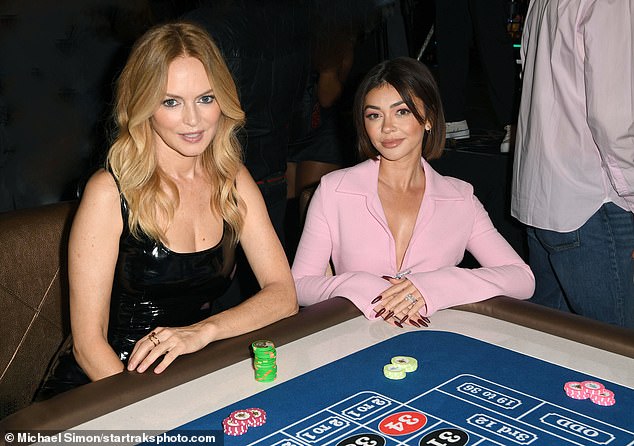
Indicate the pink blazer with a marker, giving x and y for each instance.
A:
(345, 221)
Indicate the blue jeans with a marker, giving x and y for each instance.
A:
(589, 271)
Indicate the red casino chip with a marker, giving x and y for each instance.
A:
(234, 427)
(604, 397)
(576, 390)
(241, 416)
(258, 417)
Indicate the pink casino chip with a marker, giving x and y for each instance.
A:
(592, 387)
(604, 397)
(575, 390)
(234, 427)
(258, 417)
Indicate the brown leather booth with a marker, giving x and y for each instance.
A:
(33, 298)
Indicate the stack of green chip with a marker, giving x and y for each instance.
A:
(264, 361)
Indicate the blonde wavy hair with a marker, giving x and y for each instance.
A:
(132, 159)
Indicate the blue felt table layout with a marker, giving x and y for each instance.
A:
(465, 392)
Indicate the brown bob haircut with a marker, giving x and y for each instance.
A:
(411, 79)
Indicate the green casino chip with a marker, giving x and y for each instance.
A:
(394, 371)
(408, 363)
(263, 345)
(264, 360)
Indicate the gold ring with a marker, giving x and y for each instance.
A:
(155, 340)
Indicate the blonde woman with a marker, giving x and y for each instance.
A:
(152, 244)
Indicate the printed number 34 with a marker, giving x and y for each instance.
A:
(403, 419)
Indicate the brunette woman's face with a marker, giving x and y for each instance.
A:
(391, 126)
(187, 119)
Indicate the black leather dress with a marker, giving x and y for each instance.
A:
(153, 287)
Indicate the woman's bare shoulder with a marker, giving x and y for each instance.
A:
(101, 183)
(101, 192)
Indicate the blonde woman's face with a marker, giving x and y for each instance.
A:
(187, 119)
(391, 126)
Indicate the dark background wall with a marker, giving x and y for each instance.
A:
(57, 65)
(58, 62)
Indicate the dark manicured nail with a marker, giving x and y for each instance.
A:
(376, 299)
(420, 321)
(426, 320)
(380, 312)
(389, 315)
(386, 277)
(398, 324)
(404, 319)
(413, 322)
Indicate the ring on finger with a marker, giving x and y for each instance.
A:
(155, 340)
(411, 299)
